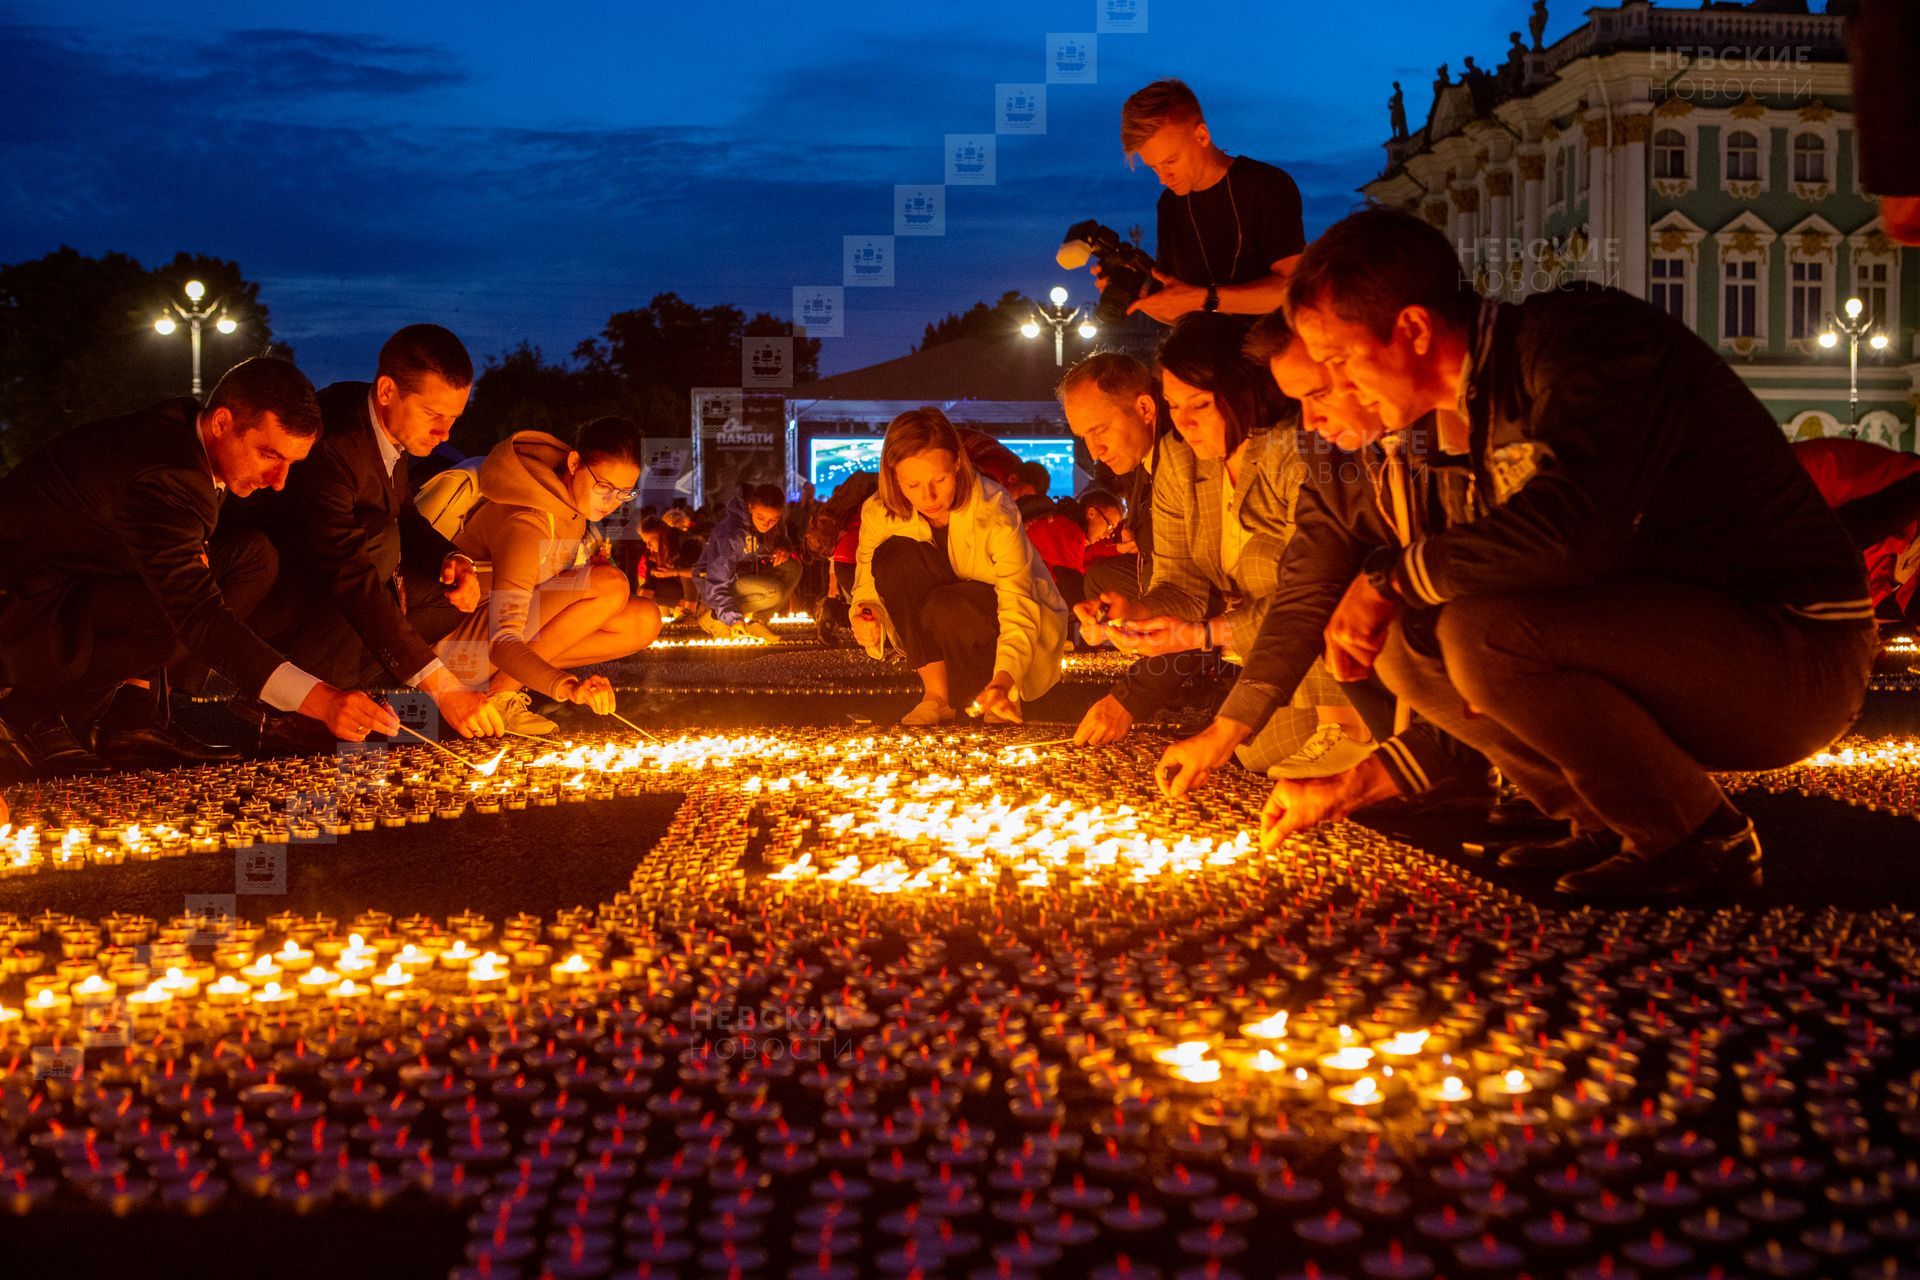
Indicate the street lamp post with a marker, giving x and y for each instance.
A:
(1059, 317)
(195, 315)
(1855, 326)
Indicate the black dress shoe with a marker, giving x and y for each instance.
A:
(1569, 853)
(1702, 864)
(1517, 813)
(52, 750)
(282, 733)
(157, 747)
(135, 734)
(14, 757)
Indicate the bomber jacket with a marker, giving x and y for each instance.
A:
(1609, 441)
(1340, 520)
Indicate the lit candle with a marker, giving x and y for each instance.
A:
(228, 990)
(1509, 1085)
(1450, 1092)
(293, 957)
(575, 968)
(1188, 1061)
(393, 978)
(1346, 1065)
(271, 996)
(1272, 1028)
(1364, 1093)
(261, 971)
(318, 978)
(95, 991)
(488, 973)
(1403, 1047)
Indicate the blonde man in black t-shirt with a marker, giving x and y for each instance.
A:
(1229, 227)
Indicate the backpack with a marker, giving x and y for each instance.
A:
(448, 498)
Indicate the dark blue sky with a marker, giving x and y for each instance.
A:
(523, 170)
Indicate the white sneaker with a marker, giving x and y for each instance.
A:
(926, 712)
(1327, 752)
(714, 627)
(516, 710)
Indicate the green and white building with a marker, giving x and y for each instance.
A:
(1703, 159)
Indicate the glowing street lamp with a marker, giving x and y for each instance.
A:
(195, 315)
(1059, 317)
(1855, 326)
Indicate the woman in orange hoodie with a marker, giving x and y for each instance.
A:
(553, 601)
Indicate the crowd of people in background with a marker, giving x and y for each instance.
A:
(1397, 540)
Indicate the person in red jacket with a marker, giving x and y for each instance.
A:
(1062, 544)
(1876, 493)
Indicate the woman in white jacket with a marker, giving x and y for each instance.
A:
(945, 571)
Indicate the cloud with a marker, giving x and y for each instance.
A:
(325, 164)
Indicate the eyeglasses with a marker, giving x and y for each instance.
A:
(599, 485)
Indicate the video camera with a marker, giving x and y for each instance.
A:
(1129, 268)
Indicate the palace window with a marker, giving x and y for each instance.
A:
(1669, 286)
(1740, 313)
(1873, 285)
(1807, 305)
(1810, 158)
(1670, 155)
(1743, 157)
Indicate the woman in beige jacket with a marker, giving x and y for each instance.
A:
(945, 571)
(552, 603)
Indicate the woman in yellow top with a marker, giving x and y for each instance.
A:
(553, 603)
(945, 571)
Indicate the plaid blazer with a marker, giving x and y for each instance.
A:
(1187, 512)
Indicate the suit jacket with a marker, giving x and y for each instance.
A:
(346, 525)
(125, 498)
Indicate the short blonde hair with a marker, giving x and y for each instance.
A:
(1151, 109)
(913, 433)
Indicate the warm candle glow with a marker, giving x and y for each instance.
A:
(1273, 1028)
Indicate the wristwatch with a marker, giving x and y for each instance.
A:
(1378, 567)
(1213, 298)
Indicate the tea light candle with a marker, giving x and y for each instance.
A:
(228, 990)
(94, 991)
(1505, 1087)
(1450, 1092)
(1188, 1061)
(1363, 1094)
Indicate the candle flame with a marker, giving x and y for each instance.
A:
(1274, 1028)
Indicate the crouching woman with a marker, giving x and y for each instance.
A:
(553, 604)
(945, 572)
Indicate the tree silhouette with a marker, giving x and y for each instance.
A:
(980, 320)
(77, 340)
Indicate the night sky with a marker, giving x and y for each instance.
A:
(521, 171)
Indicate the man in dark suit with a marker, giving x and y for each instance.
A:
(367, 587)
(107, 574)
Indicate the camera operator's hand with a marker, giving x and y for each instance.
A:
(1173, 299)
(1099, 275)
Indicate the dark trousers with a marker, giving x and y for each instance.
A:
(303, 620)
(1070, 583)
(98, 632)
(936, 616)
(1607, 705)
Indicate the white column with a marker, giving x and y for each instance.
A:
(1533, 200)
(1600, 222)
(1631, 204)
